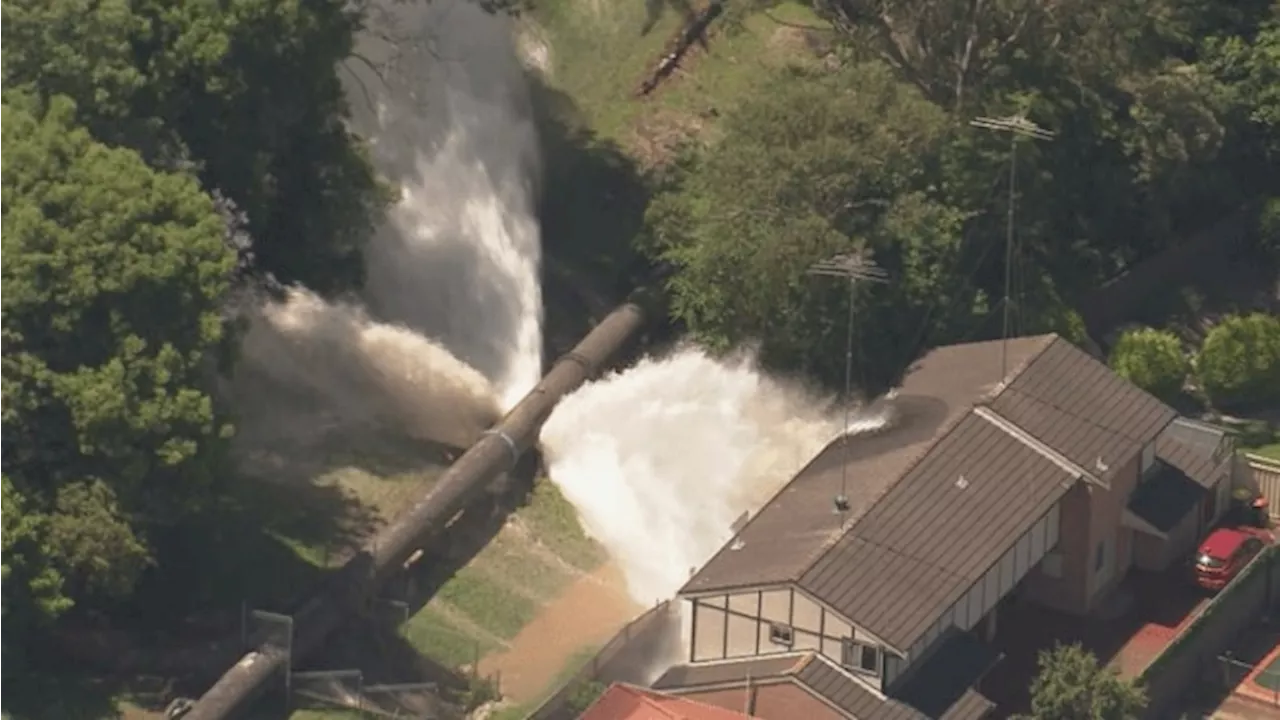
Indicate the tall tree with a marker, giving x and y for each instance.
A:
(112, 283)
(813, 164)
(246, 90)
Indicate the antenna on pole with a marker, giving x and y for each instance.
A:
(1017, 126)
(852, 267)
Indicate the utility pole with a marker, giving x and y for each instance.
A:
(1017, 126)
(852, 267)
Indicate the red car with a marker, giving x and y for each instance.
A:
(1225, 552)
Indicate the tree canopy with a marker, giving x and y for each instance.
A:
(742, 222)
(1071, 685)
(244, 92)
(113, 276)
(1162, 119)
(1239, 363)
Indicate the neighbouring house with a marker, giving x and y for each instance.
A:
(866, 587)
(628, 702)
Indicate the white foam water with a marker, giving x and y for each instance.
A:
(661, 459)
(487, 308)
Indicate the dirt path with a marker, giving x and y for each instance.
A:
(587, 614)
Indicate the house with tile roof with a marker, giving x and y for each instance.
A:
(628, 702)
(1020, 469)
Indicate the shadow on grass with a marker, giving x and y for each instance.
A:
(592, 208)
(373, 645)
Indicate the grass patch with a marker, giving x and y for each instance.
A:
(511, 562)
(497, 609)
(1270, 451)
(555, 522)
(434, 635)
(622, 53)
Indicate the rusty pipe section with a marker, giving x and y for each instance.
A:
(357, 581)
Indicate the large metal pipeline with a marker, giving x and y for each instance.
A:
(359, 578)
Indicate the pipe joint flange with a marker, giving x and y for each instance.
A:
(581, 360)
(511, 444)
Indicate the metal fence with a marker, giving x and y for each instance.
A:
(345, 690)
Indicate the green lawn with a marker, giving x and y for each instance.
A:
(600, 53)
(1271, 451)
(554, 522)
(490, 600)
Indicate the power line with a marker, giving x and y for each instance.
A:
(1017, 126)
(851, 267)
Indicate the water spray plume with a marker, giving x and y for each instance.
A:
(452, 331)
(661, 459)
(368, 371)
(459, 256)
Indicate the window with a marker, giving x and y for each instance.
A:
(862, 657)
(781, 635)
(1148, 457)
(870, 659)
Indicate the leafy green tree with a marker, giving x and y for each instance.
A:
(245, 91)
(1239, 363)
(113, 278)
(32, 587)
(1072, 686)
(810, 165)
(1151, 359)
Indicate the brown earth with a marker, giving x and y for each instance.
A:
(586, 615)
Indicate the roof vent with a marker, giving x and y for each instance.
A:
(1100, 466)
(737, 544)
(841, 504)
(962, 483)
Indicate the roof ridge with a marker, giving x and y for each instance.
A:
(994, 394)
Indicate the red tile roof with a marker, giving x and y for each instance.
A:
(627, 702)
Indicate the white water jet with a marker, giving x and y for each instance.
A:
(452, 331)
(458, 258)
(662, 458)
(367, 371)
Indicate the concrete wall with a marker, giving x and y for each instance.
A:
(1193, 655)
(770, 622)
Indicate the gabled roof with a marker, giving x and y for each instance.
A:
(917, 536)
(937, 531)
(1076, 405)
(822, 678)
(797, 525)
(627, 702)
